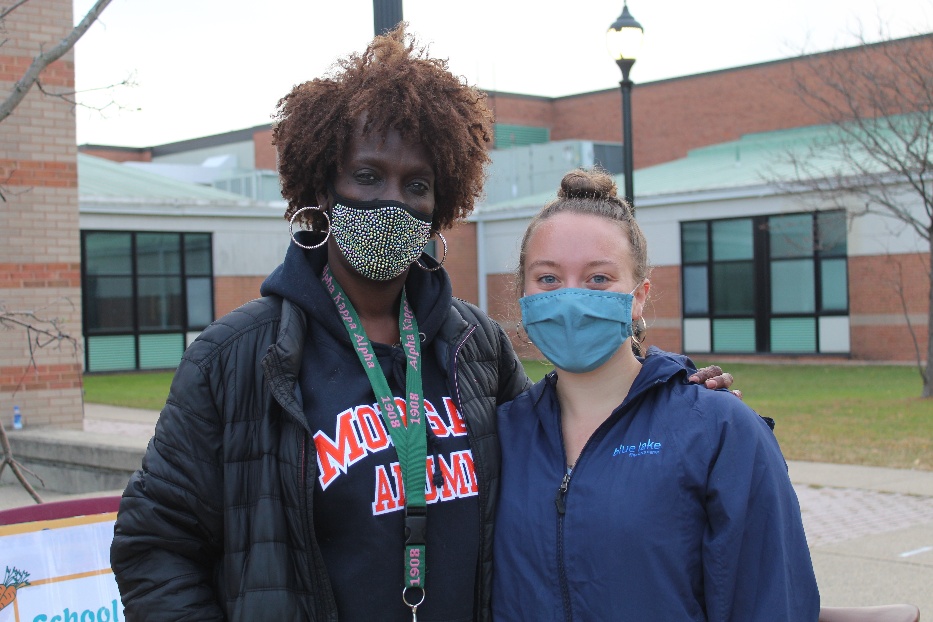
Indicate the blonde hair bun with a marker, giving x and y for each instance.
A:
(582, 184)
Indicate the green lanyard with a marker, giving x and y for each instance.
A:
(410, 440)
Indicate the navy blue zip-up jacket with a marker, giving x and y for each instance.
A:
(678, 508)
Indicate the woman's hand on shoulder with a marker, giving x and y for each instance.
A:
(713, 377)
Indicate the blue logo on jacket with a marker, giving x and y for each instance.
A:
(646, 448)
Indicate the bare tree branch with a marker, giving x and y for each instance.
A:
(69, 96)
(15, 6)
(43, 60)
(5, 191)
(41, 332)
(878, 101)
(902, 297)
(16, 467)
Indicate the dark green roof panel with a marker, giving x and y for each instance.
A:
(508, 135)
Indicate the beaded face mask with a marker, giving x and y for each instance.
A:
(380, 239)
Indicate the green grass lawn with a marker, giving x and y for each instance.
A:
(849, 414)
(846, 414)
(136, 390)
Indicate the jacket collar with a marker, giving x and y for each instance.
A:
(548, 384)
(657, 367)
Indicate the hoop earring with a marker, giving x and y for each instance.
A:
(443, 259)
(640, 330)
(291, 231)
(519, 329)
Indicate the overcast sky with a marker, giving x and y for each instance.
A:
(205, 67)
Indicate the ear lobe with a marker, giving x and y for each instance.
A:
(322, 200)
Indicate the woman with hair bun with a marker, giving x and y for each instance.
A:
(628, 493)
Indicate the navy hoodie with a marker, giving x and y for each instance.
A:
(358, 499)
(678, 508)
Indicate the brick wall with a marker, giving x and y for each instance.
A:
(662, 313)
(593, 116)
(39, 242)
(461, 260)
(231, 292)
(263, 150)
(670, 117)
(118, 154)
(880, 288)
(522, 109)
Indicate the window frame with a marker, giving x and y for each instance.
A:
(763, 315)
(135, 330)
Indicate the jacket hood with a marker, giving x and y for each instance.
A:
(298, 279)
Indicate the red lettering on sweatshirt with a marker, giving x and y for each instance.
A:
(334, 457)
(390, 496)
(374, 434)
(361, 430)
(459, 476)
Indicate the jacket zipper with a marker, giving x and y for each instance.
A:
(453, 366)
(307, 472)
(561, 491)
(560, 502)
(561, 569)
(477, 601)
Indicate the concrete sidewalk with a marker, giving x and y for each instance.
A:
(870, 532)
(870, 529)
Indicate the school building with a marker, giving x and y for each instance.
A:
(136, 250)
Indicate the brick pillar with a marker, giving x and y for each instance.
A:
(461, 260)
(39, 238)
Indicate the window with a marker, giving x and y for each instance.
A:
(143, 292)
(766, 284)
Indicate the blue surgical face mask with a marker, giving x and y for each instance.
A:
(578, 329)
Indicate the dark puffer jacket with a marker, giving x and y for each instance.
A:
(217, 525)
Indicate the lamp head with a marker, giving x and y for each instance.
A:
(623, 39)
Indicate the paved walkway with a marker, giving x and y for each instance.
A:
(870, 529)
(870, 532)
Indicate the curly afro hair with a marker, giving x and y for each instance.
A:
(393, 85)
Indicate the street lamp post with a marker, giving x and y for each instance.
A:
(623, 39)
(386, 15)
